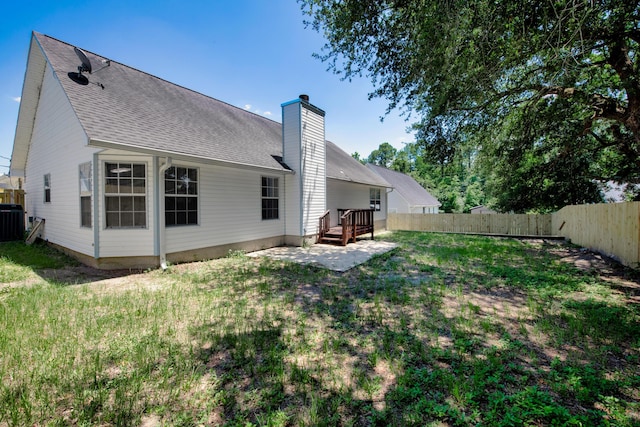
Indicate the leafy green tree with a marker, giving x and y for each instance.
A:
(457, 184)
(356, 156)
(383, 155)
(548, 92)
(401, 162)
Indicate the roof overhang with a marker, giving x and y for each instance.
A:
(176, 155)
(30, 97)
(370, 184)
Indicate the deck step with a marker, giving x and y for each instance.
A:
(331, 239)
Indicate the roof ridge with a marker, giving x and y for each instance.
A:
(159, 78)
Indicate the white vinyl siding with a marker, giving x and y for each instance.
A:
(398, 204)
(348, 195)
(291, 128)
(58, 146)
(229, 211)
(305, 153)
(314, 179)
(126, 242)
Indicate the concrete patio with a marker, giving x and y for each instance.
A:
(332, 257)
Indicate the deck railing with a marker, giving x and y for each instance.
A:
(351, 223)
(356, 222)
(324, 225)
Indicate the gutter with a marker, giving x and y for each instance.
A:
(162, 232)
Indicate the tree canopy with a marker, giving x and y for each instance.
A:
(383, 155)
(545, 93)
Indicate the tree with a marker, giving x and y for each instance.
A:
(383, 155)
(401, 162)
(532, 85)
(456, 184)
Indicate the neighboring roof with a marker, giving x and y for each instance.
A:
(408, 187)
(342, 166)
(125, 108)
(481, 209)
(138, 111)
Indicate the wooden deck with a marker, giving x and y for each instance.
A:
(353, 223)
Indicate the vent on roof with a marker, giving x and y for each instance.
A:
(304, 97)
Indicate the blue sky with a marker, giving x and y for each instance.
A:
(254, 54)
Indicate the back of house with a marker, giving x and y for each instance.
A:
(130, 170)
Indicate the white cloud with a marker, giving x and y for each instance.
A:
(249, 107)
(16, 98)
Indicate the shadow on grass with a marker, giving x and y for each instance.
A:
(51, 265)
(379, 345)
(259, 382)
(390, 372)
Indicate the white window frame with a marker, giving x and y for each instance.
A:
(85, 183)
(46, 197)
(185, 188)
(269, 192)
(375, 201)
(130, 192)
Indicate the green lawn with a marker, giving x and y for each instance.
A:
(445, 330)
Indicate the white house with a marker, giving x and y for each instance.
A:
(128, 169)
(407, 195)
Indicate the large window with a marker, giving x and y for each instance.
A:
(47, 188)
(84, 176)
(125, 195)
(269, 198)
(181, 196)
(374, 198)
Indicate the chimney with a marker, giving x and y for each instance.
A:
(303, 150)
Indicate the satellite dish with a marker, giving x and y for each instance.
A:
(78, 78)
(86, 64)
(85, 67)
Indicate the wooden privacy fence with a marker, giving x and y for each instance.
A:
(15, 197)
(500, 224)
(612, 229)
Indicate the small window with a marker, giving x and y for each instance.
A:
(181, 196)
(85, 194)
(374, 199)
(47, 188)
(125, 198)
(270, 198)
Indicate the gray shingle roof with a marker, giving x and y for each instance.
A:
(139, 111)
(408, 187)
(342, 166)
(130, 109)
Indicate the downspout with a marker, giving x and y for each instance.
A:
(162, 233)
(95, 200)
